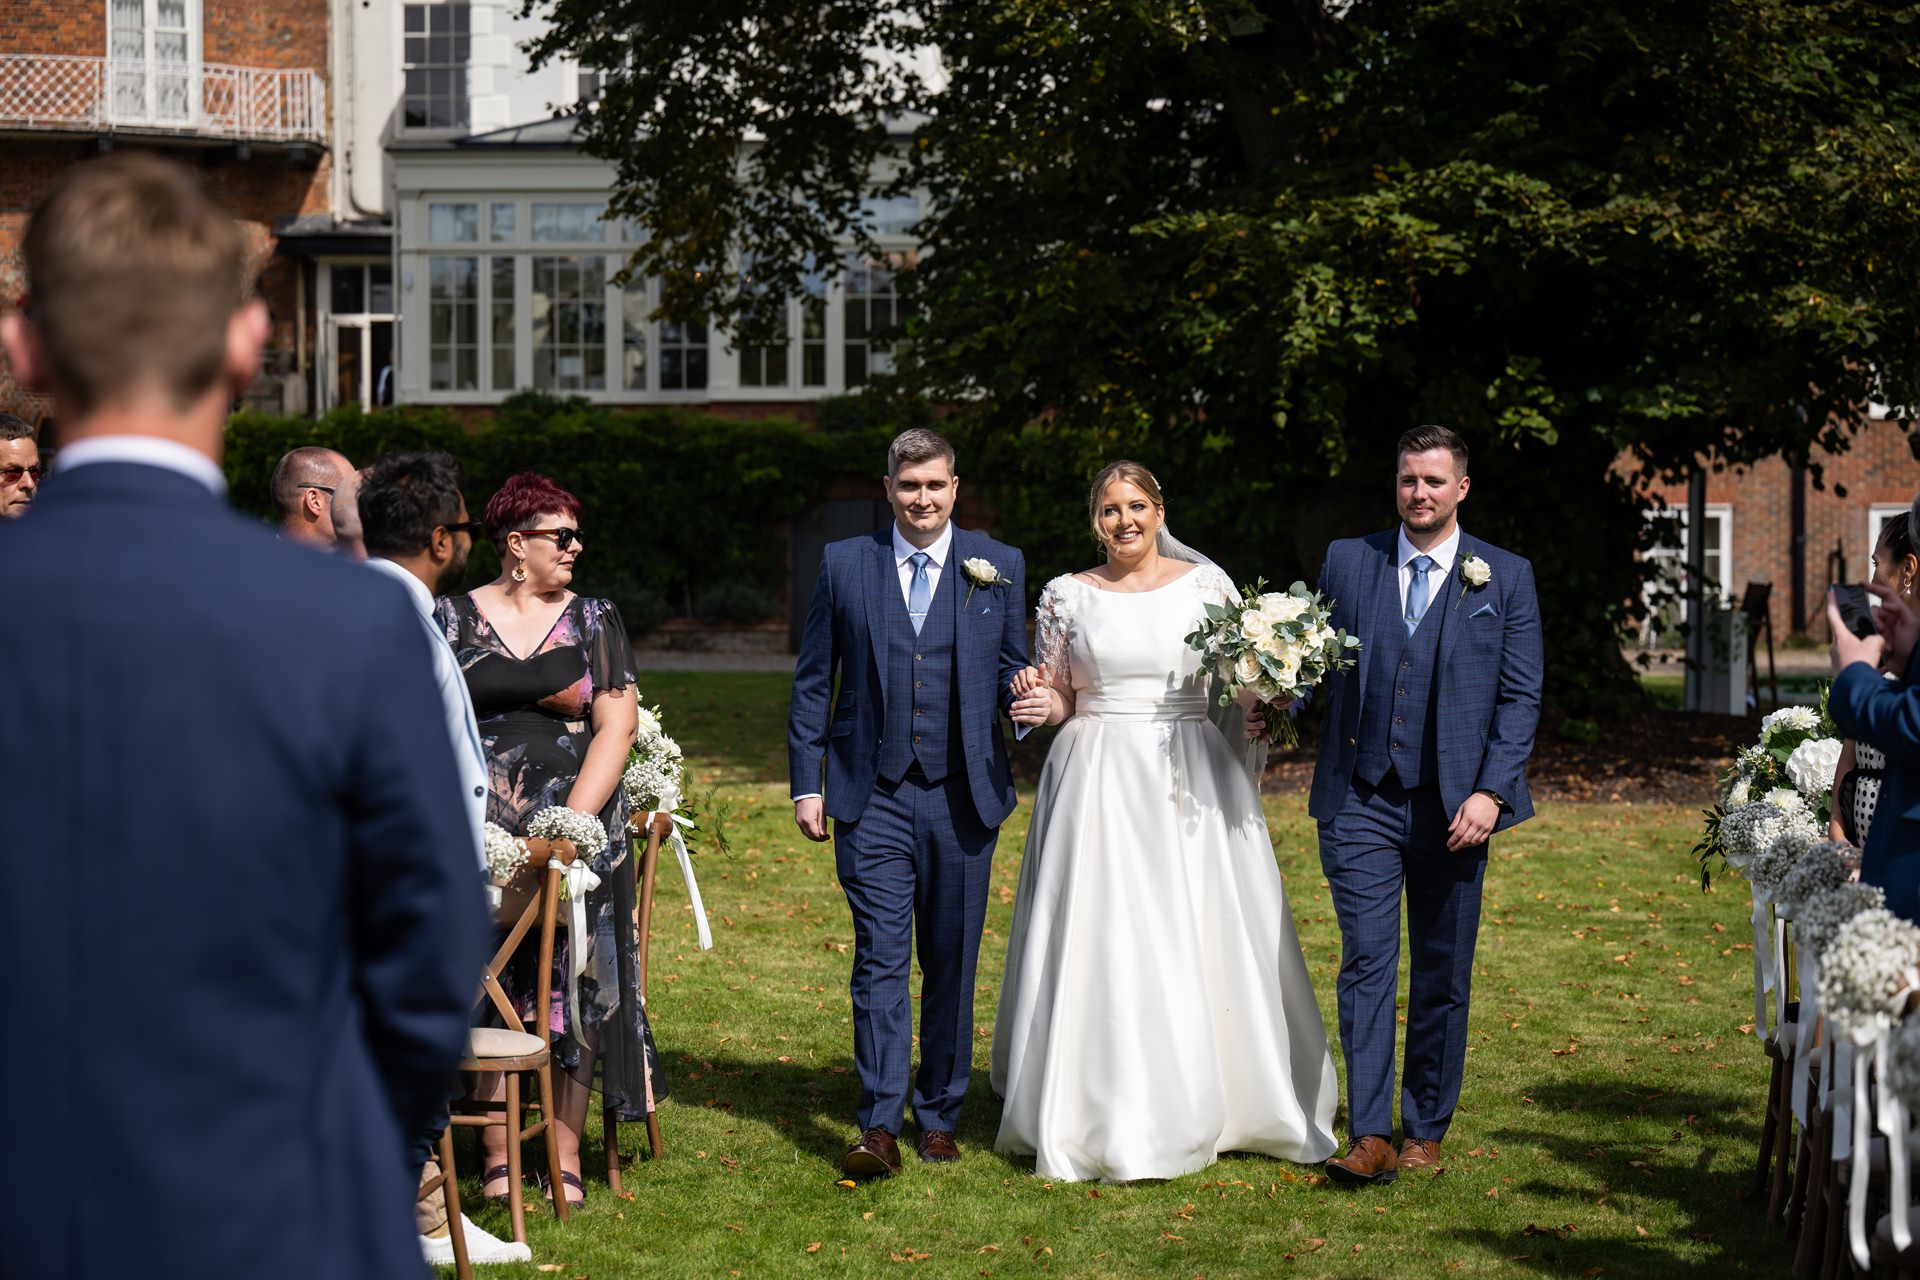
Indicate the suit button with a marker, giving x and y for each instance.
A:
(1353, 742)
(1405, 665)
(1398, 720)
(916, 711)
(1401, 692)
(479, 791)
(916, 737)
(1396, 746)
(918, 658)
(919, 683)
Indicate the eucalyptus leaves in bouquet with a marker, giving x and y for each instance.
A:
(1277, 643)
(1794, 759)
(655, 782)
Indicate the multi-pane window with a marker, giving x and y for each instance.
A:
(556, 221)
(500, 326)
(437, 45)
(764, 363)
(890, 215)
(683, 356)
(453, 324)
(501, 220)
(633, 335)
(453, 223)
(587, 84)
(569, 307)
(871, 311)
(813, 330)
(151, 45)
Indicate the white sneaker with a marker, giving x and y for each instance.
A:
(481, 1248)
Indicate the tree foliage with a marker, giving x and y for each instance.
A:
(1252, 241)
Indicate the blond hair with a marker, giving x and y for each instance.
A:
(1131, 472)
(133, 275)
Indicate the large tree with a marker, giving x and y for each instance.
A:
(1253, 240)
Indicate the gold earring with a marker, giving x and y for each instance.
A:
(519, 573)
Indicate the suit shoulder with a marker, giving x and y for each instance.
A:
(1497, 555)
(994, 549)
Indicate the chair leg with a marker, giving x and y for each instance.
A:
(1813, 1197)
(551, 1137)
(653, 1135)
(1782, 1175)
(456, 1229)
(1769, 1120)
(516, 1206)
(610, 1135)
(1834, 1256)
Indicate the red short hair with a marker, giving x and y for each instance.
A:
(524, 498)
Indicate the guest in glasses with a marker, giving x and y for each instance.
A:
(551, 674)
(303, 484)
(19, 466)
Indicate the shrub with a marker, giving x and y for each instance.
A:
(734, 602)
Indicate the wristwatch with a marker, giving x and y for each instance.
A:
(1496, 797)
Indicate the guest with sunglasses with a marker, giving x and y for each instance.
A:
(551, 674)
(303, 484)
(20, 469)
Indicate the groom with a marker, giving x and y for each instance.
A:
(925, 626)
(1423, 755)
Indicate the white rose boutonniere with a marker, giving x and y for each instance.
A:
(1475, 573)
(981, 573)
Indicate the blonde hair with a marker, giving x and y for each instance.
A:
(133, 275)
(1131, 472)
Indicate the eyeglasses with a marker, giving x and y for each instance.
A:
(324, 488)
(472, 528)
(11, 475)
(562, 538)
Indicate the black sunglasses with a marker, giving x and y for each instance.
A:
(472, 528)
(11, 475)
(562, 538)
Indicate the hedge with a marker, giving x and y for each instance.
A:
(679, 509)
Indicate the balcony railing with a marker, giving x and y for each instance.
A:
(55, 91)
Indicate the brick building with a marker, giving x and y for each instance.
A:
(1753, 533)
(236, 88)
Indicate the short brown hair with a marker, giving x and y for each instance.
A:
(916, 445)
(1426, 438)
(133, 275)
(1134, 474)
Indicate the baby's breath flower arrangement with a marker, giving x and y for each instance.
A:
(1794, 839)
(557, 822)
(1821, 915)
(656, 768)
(1795, 756)
(1903, 1062)
(1868, 962)
(506, 854)
(1825, 866)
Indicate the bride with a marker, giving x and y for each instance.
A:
(1156, 1010)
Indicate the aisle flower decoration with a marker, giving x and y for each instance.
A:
(1822, 915)
(1866, 965)
(1279, 644)
(1795, 839)
(1795, 755)
(1903, 1062)
(1827, 865)
(505, 853)
(557, 822)
(577, 879)
(655, 782)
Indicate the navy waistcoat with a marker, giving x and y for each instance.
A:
(922, 724)
(1397, 731)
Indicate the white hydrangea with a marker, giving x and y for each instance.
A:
(1803, 719)
(1812, 764)
(1823, 867)
(1903, 1062)
(1821, 915)
(505, 853)
(557, 822)
(1771, 866)
(1787, 800)
(1870, 960)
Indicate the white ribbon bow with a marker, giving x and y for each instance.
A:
(700, 924)
(580, 880)
(1762, 965)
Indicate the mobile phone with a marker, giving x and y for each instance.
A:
(1856, 609)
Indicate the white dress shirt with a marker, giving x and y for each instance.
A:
(468, 755)
(146, 451)
(1442, 564)
(904, 551)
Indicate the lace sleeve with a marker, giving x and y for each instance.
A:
(1215, 587)
(1053, 633)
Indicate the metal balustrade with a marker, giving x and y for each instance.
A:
(58, 91)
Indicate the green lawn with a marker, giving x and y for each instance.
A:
(1608, 1124)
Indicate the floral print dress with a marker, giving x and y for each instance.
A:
(535, 714)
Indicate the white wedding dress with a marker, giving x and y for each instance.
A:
(1156, 1010)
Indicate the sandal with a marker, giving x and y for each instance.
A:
(500, 1172)
(568, 1180)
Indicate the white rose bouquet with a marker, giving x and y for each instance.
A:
(656, 768)
(1796, 754)
(1277, 643)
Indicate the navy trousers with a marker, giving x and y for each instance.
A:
(918, 858)
(1386, 840)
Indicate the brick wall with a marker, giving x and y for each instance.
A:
(54, 26)
(1878, 470)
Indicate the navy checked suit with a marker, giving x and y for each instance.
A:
(1887, 715)
(1385, 835)
(913, 851)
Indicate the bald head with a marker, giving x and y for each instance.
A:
(304, 482)
(349, 539)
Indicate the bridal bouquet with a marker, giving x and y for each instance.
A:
(1277, 643)
(1791, 765)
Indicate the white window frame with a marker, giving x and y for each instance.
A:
(150, 66)
(1678, 557)
(325, 319)
(1877, 516)
(400, 126)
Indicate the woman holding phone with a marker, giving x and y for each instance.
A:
(1857, 778)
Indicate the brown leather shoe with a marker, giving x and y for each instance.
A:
(1419, 1153)
(938, 1147)
(875, 1156)
(1370, 1159)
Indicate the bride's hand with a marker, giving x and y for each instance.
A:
(1029, 679)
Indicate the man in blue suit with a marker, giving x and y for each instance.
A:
(1423, 756)
(246, 907)
(925, 625)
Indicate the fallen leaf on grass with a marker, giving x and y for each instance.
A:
(1640, 1230)
(1043, 1249)
(988, 1248)
(848, 1183)
(551, 1267)
(814, 1247)
(1573, 1046)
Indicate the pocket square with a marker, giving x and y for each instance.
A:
(1485, 610)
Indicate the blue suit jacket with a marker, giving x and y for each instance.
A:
(243, 914)
(1487, 704)
(1887, 715)
(846, 634)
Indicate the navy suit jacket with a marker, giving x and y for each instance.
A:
(846, 634)
(243, 915)
(1487, 702)
(1887, 715)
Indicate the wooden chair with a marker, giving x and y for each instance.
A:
(647, 853)
(514, 1049)
(448, 1182)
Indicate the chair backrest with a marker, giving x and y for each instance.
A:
(648, 849)
(539, 912)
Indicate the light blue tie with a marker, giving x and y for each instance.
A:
(1417, 592)
(920, 593)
